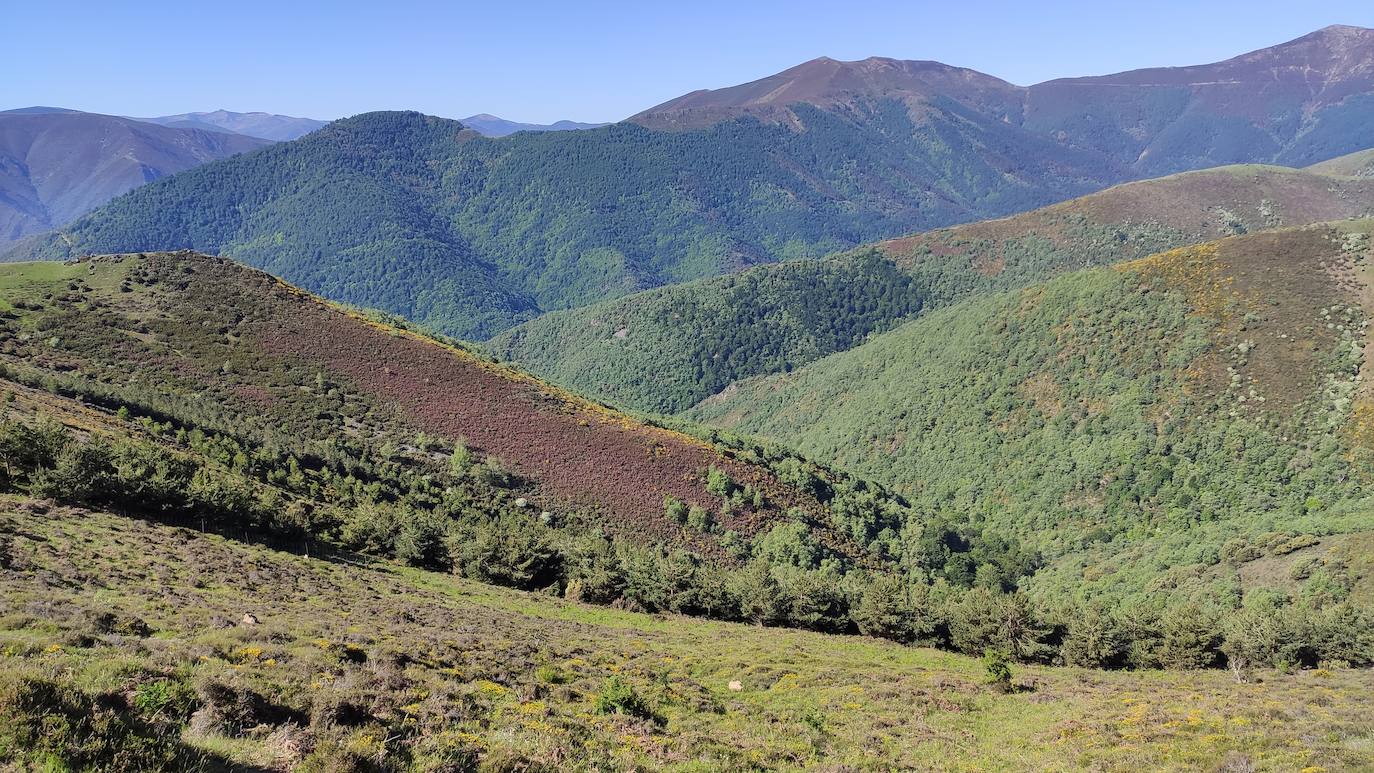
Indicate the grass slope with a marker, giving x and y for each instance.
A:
(139, 630)
(1145, 425)
(667, 349)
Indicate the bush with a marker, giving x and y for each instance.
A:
(998, 668)
(420, 542)
(507, 550)
(54, 725)
(674, 508)
(618, 697)
(890, 610)
(699, 518)
(719, 482)
(1092, 638)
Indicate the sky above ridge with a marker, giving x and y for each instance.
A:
(540, 61)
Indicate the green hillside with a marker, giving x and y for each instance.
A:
(470, 235)
(1149, 428)
(665, 350)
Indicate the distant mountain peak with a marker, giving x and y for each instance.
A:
(827, 82)
(267, 126)
(490, 125)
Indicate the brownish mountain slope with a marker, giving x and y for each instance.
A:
(258, 355)
(833, 84)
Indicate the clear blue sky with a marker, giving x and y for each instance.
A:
(534, 60)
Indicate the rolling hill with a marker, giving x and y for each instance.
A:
(472, 236)
(56, 165)
(664, 350)
(1148, 427)
(223, 348)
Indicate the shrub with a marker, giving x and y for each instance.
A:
(507, 550)
(890, 610)
(420, 541)
(674, 508)
(700, 519)
(760, 598)
(1092, 638)
(998, 668)
(54, 725)
(719, 482)
(165, 699)
(618, 697)
(1188, 638)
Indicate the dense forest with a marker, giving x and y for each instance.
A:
(469, 235)
(664, 350)
(667, 349)
(1147, 429)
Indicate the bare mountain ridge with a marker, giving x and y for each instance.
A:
(1294, 103)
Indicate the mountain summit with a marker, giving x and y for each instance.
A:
(826, 82)
(1295, 103)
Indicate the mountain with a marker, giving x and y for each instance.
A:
(37, 110)
(1295, 104)
(666, 349)
(236, 351)
(1149, 425)
(267, 126)
(840, 86)
(492, 126)
(1357, 164)
(472, 236)
(56, 165)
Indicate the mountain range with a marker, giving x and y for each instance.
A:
(56, 165)
(1069, 381)
(266, 126)
(471, 235)
(493, 126)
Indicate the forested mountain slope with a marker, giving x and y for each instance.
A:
(230, 516)
(1144, 425)
(664, 350)
(471, 235)
(421, 217)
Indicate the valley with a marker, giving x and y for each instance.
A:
(874, 414)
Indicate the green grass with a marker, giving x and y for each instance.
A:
(30, 281)
(807, 700)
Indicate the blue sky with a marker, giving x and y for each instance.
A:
(533, 60)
